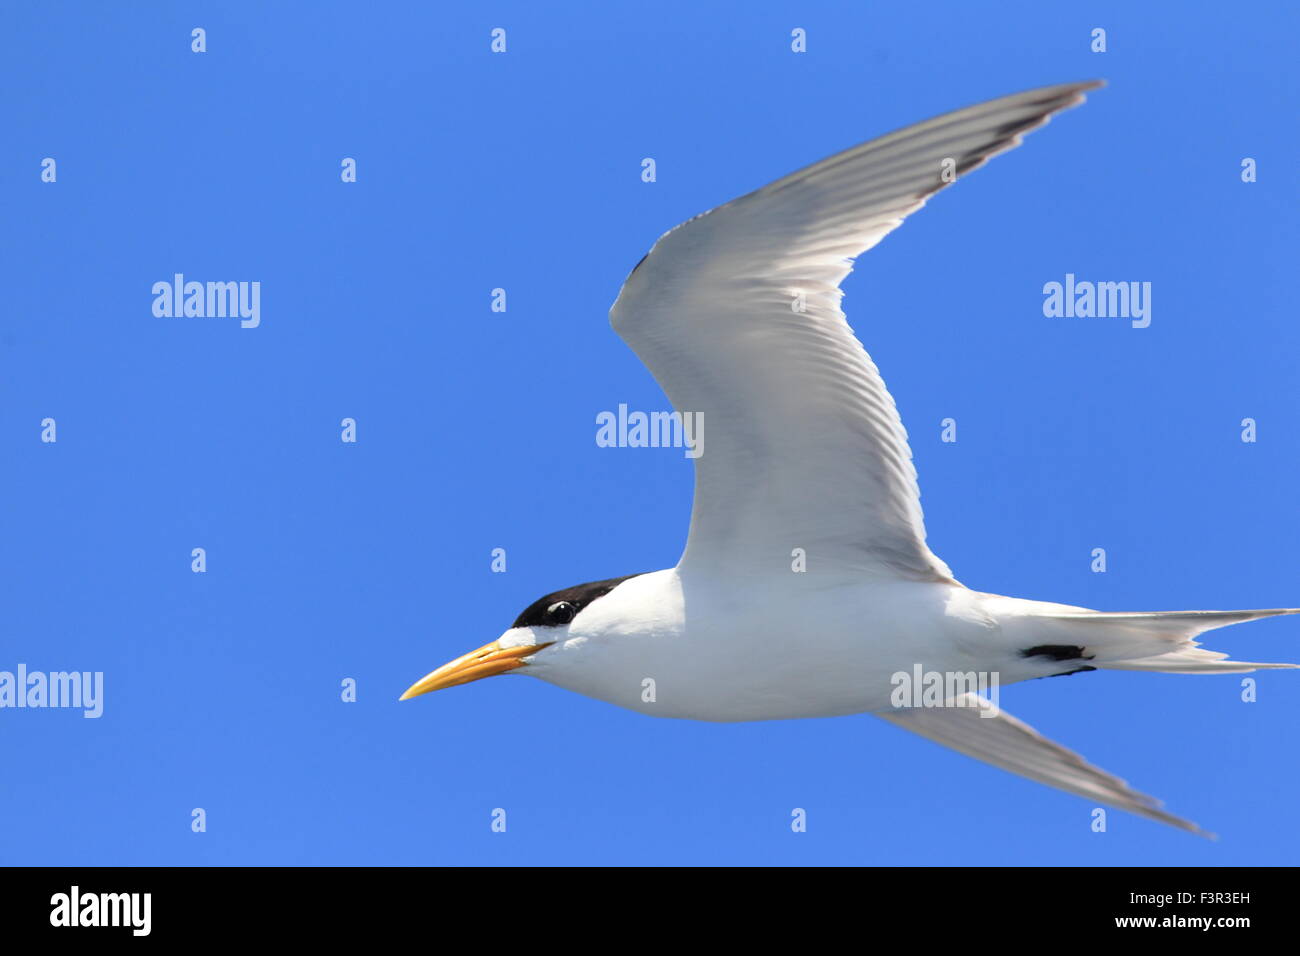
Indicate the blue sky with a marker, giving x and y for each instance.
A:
(521, 171)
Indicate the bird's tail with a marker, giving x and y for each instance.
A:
(1160, 641)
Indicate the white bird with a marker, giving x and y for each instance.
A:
(737, 315)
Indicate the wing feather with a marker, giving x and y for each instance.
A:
(737, 315)
(1013, 745)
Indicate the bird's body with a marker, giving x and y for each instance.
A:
(783, 645)
(806, 588)
(775, 647)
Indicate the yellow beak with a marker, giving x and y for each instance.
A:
(487, 661)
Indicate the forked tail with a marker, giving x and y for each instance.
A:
(1073, 639)
(1160, 641)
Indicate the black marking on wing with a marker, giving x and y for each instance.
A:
(580, 595)
(1057, 652)
(1061, 652)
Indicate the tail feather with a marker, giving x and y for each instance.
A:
(1162, 641)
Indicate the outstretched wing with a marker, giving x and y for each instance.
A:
(1013, 745)
(737, 315)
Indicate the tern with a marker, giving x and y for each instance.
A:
(736, 313)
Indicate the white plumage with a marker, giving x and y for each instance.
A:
(737, 315)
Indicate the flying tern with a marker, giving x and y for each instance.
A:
(737, 315)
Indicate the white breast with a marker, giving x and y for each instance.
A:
(672, 644)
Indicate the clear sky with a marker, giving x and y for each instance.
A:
(371, 561)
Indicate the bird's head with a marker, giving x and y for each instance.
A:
(545, 622)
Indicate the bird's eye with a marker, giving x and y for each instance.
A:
(561, 612)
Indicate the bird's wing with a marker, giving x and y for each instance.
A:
(1013, 745)
(737, 315)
